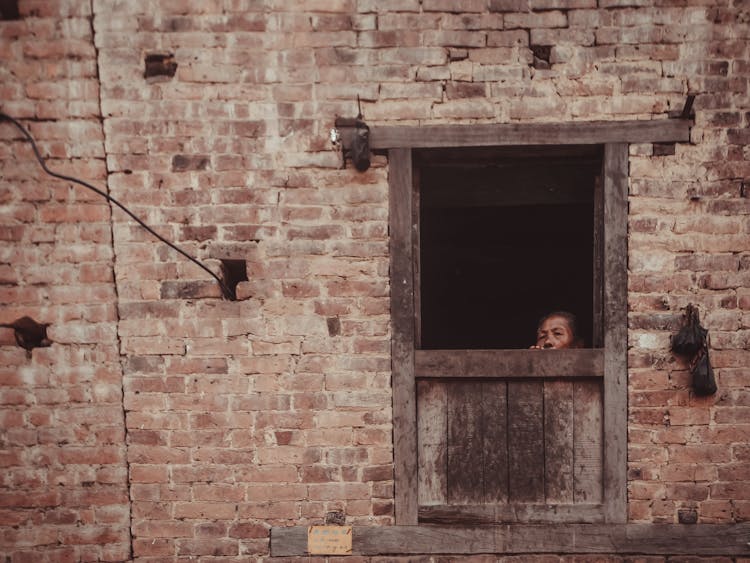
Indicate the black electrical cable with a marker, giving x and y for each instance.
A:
(228, 292)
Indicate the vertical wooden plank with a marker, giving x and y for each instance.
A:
(588, 441)
(417, 256)
(598, 262)
(558, 441)
(432, 428)
(465, 443)
(495, 440)
(615, 330)
(402, 340)
(526, 441)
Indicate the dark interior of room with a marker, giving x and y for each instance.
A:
(506, 236)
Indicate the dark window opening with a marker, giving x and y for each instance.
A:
(506, 236)
(9, 10)
(542, 55)
(160, 65)
(233, 272)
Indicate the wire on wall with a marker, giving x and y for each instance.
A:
(227, 292)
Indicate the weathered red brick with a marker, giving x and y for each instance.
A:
(245, 530)
(205, 510)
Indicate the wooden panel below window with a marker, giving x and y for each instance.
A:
(558, 441)
(495, 421)
(587, 443)
(509, 443)
(432, 428)
(465, 444)
(526, 441)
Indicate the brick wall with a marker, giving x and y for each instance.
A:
(275, 409)
(689, 233)
(63, 476)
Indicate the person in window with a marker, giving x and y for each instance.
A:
(557, 331)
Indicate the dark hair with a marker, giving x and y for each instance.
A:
(570, 318)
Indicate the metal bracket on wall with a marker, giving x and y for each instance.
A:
(355, 141)
(687, 110)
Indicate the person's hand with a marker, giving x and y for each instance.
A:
(535, 347)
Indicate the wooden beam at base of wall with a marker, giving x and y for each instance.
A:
(635, 539)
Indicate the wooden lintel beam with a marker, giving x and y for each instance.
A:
(585, 362)
(477, 135)
(632, 539)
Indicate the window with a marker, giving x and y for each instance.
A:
(490, 388)
(506, 235)
(484, 431)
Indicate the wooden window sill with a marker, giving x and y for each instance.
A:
(640, 539)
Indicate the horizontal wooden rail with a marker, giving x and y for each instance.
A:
(497, 134)
(510, 513)
(635, 539)
(584, 362)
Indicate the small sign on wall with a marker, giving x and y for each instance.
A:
(329, 540)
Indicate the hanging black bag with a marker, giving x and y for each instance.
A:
(704, 382)
(691, 341)
(691, 337)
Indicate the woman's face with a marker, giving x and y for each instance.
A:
(554, 333)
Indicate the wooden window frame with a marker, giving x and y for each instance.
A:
(615, 536)
(408, 363)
